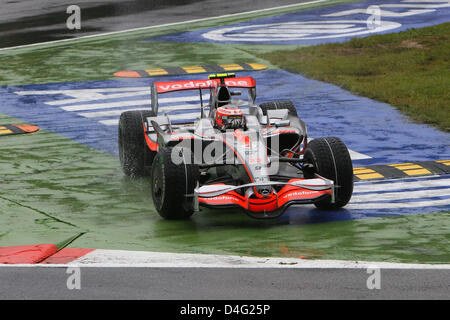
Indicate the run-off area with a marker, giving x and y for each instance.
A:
(376, 134)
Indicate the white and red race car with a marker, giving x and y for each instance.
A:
(235, 154)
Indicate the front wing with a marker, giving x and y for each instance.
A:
(295, 191)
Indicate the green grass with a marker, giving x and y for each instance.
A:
(409, 70)
(98, 61)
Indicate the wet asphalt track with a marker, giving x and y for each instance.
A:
(218, 284)
(26, 22)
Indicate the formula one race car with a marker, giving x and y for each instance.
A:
(235, 154)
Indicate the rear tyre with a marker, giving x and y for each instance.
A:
(280, 104)
(330, 159)
(173, 186)
(135, 156)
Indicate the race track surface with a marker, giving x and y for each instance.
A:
(218, 284)
(45, 20)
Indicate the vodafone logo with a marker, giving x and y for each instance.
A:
(221, 198)
(194, 84)
(239, 83)
(297, 194)
(186, 85)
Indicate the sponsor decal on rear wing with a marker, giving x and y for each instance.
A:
(171, 86)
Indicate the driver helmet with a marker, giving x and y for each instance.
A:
(229, 117)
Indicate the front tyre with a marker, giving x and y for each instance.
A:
(330, 159)
(173, 185)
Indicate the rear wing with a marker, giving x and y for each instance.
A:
(173, 86)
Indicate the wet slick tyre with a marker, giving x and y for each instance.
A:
(330, 159)
(277, 105)
(135, 156)
(173, 186)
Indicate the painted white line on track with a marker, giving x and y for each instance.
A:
(400, 195)
(184, 116)
(399, 185)
(419, 9)
(104, 105)
(101, 97)
(77, 92)
(383, 13)
(275, 32)
(126, 103)
(106, 113)
(165, 25)
(118, 112)
(239, 33)
(397, 205)
(121, 258)
(405, 180)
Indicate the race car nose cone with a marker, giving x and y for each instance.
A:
(264, 190)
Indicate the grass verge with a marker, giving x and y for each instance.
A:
(409, 70)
